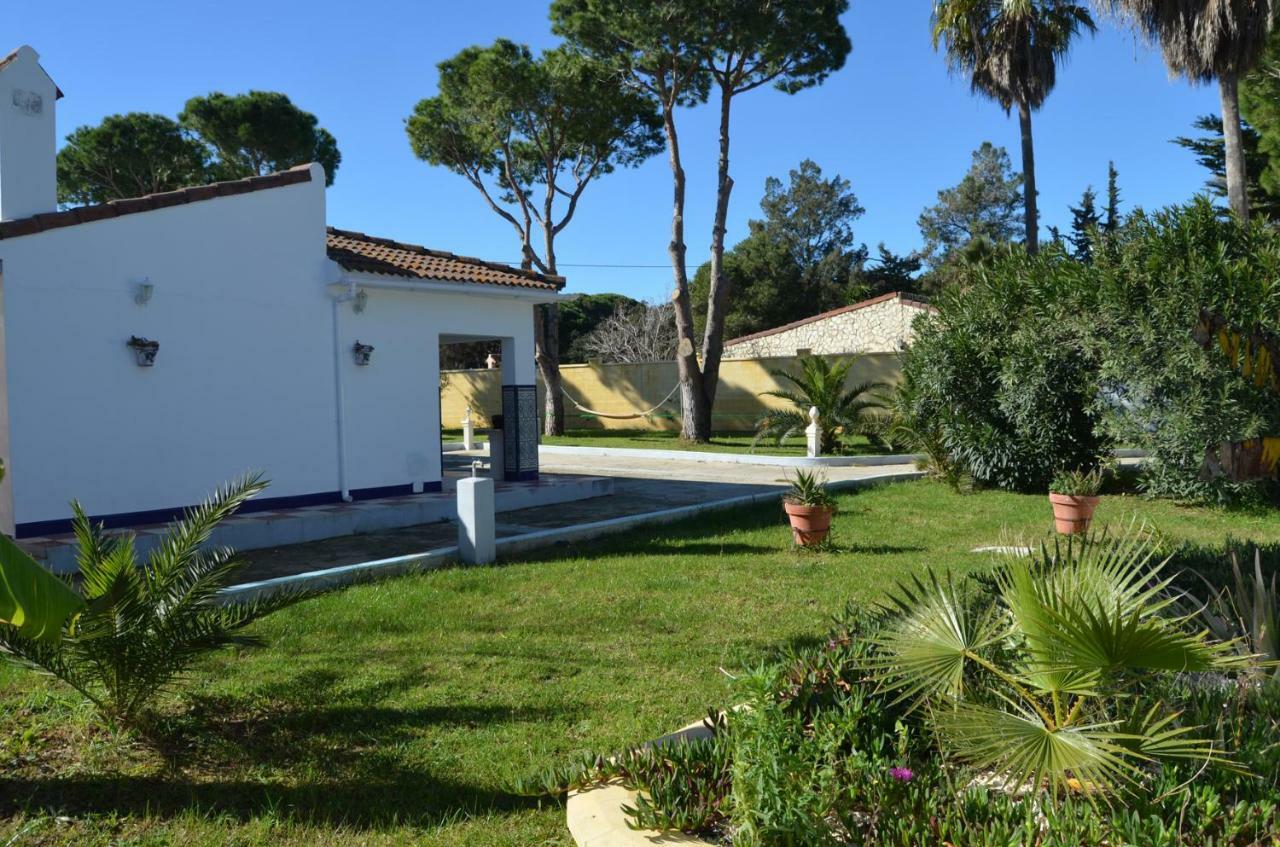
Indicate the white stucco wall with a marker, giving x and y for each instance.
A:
(882, 326)
(393, 403)
(244, 376)
(27, 138)
(242, 306)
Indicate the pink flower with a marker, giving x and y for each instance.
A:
(902, 774)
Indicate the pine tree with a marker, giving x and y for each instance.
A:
(1112, 222)
(1084, 225)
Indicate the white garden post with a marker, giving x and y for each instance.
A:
(476, 521)
(813, 434)
(468, 431)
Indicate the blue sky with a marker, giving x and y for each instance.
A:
(893, 121)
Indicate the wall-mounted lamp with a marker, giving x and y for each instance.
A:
(145, 349)
(142, 291)
(362, 353)
(360, 301)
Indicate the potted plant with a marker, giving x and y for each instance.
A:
(1074, 496)
(362, 353)
(809, 508)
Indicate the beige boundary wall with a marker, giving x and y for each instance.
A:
(628, 389)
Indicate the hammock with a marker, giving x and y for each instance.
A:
(633, 416)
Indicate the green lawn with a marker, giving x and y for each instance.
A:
(721, 442)
(392, 713)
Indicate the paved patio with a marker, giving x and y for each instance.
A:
(640, 486)
(285, 529)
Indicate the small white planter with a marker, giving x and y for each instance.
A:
(362, 353)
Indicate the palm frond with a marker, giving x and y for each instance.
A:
(930, 639)
(1018, 747)
(1097, 606)
(183, 539)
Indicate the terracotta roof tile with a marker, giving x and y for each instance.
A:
(150, 202)
(356, 251)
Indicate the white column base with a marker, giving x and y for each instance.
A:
(477, 523)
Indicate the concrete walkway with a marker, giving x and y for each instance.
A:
(641, 486)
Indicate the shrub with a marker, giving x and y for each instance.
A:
(1039, 363)
(1163, 390)
(142, 627)
(1002, 376)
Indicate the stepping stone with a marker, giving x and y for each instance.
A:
(1003, 551)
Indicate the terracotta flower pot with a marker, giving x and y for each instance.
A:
(809, 524)
(1072, 514)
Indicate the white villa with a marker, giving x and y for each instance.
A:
(151, 348)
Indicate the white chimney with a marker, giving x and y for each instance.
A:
(28, 141)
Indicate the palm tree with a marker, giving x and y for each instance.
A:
(1010, 50)
(139, 628)
(821, 384)
(1208, 40)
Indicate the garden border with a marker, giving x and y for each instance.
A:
(595, 817)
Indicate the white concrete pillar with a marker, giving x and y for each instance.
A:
(468, 431)
(813, 434)
(476, 521)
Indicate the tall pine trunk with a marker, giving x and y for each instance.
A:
(695, 415)
(546, 334)
(1030, 214)
(1233, 143)
(718, 295)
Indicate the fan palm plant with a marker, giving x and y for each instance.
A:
(1010, 51)
(1037, 685)
(1208, 40)
(141, 627)
(821, 384)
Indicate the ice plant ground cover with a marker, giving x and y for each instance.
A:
(399, 712)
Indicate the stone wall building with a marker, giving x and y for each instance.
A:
(879, 325)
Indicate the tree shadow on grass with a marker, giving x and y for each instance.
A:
(287, 749)
(382, 797)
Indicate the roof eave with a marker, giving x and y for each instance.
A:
(397, 282)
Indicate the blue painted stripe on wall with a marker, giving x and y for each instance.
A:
(121, 520)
